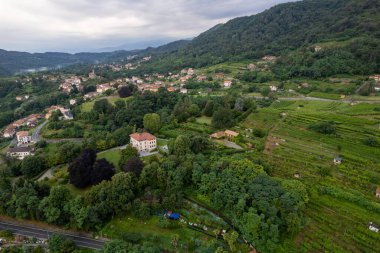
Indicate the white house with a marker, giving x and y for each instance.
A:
(273, 88)
(378, 192)
(227, 83)
(338, 160)
(20, 152)
(90, 95)
(183, 90)
(143, 141)
(373, 227)
(73, 102)
(23, 137)
(100, 88)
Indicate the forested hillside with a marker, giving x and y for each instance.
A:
(289, 27)
(347, 30)
(12, 62)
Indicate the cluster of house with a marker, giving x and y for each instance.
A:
(23, 138)
(29, 121)
(67, 115)
(119, 66)
(70, 83)
(101, 88)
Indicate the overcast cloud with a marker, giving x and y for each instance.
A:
(86, 25)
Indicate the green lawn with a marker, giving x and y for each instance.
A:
(204, 120)
(324, 95)
(87, 106)
(161, 142)
(112, 156)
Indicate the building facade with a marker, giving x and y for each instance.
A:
(20, 152)
(143, 141)
(23, 137)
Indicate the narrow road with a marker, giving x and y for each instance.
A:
(64, 140)
(42, 233)
(115, 148)
(36, 135)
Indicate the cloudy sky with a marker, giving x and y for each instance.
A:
(88, 25)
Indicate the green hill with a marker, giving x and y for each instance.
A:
(287, 28)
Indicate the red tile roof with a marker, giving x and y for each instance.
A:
(22, 133)
(142, 136)
(231, 133)
(378, 190)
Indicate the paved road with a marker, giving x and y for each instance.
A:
(42, 233)
(48, 173)
(36, 135)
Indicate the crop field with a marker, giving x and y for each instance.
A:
(342, 200)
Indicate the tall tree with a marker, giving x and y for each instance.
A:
(80, 170)
(53, 206)
(222, 118)
(59, 244)
(152, 122)
(182, 145)
(127, 154)
(32, 166)
(102, 170)
(134, 165)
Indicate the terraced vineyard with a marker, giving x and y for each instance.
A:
(342, 197)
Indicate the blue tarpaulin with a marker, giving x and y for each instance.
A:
(171, 215)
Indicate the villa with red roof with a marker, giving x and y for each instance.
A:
(143, 141)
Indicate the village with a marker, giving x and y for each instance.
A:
(253, 135)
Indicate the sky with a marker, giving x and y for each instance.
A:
(100, 25)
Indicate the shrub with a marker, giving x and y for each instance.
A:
(324, 127)
(371, 141)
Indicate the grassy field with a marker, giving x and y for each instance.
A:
(342, 197)
(86, 107)
(204, 120)
(232, 67)
(113, 156)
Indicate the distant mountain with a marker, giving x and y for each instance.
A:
(139, 45)
(287, 28)
(348, 31)
(12, 62)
